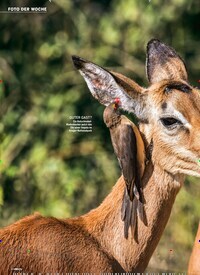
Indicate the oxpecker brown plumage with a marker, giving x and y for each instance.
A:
(129, 149)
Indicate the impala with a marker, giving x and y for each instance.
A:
(169, 115)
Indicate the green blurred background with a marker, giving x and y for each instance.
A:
(45, 167)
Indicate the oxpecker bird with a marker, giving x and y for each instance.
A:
(130, 151)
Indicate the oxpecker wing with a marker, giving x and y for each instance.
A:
(129, 149)
(125, 147)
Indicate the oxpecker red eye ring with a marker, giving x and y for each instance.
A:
(117, 100)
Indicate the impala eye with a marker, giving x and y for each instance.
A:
(170, 122)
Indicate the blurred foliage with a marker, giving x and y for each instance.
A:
(45, 167)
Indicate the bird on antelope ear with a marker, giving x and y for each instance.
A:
(130, 151)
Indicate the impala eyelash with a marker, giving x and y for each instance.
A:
(178, 86)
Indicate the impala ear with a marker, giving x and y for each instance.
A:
(105, 86)
(163, 63)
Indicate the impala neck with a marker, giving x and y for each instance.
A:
(105, 224)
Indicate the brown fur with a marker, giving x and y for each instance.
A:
(194, 263)
(93, 242)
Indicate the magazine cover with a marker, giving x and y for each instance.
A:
(99, 137)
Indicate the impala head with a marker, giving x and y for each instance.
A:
(168, 110)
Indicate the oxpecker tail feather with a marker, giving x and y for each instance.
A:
(133, 222)
(140, 211)
(136, 193)
(129, 211)
(127, 220)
